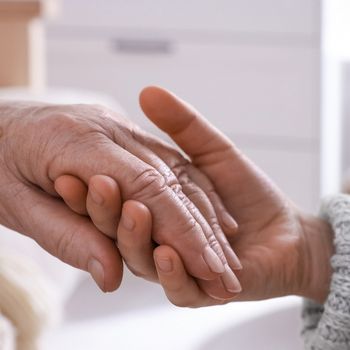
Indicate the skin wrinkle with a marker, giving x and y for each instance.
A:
(77, 143)
(179, 169)
(187, 203)
(151, 181)
(85, 142)
(179, 166)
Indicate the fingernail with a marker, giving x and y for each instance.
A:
(96, 197)
(128, 222)
(228, 221)
(165, 264)
(213, 261)
(97, 272)
(230, 281)
(234, 261)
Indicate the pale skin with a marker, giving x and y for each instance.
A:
(283, 251)
(39, 143)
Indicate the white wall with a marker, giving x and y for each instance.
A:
(252, 67)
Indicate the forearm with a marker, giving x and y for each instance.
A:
(4, 120)
(11, 152)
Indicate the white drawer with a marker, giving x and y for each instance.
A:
(244, 89)
(268, 16)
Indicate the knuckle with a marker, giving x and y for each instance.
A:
(215, 226)
(217, 247)
(190, 228)
(148, 183)
(61, 120)
(212, 241)
(79, 120)
(180, 170)
(177, 188)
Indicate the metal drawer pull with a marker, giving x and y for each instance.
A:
(143, 46)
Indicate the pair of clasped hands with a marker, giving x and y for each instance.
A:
(94, 190)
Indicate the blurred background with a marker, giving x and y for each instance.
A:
(274, 75)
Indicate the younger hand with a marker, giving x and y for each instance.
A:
(283, 251)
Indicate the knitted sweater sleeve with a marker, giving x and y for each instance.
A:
(327, 327)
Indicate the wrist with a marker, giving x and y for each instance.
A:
(316, 250)
(16, 153)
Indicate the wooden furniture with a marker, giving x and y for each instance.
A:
(21, 43)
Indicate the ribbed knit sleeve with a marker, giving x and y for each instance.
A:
(327, 327)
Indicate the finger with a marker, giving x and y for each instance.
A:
(238, 181)
(175, 161)
(104, 204)
(197, 197)
(196, 136)
(134, 239)
(208, 148)
(217, 289)
(173, 167)
(73, 191)
(226, 221)
(70, 237)
(140, 181)
(180, 288)
(201, 201)
(212, 253)
(227, 255)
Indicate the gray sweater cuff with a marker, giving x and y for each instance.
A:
(327, 327)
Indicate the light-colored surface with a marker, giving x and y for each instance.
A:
(280, 82)
(61, 96)
(137, 317)
(346, 124)
(335, 17)
(336, 94)
(63, 278)
(295, 17)
(251, 67)
(7, 334)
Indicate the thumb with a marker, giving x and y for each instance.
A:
(195, 135)
(70, 237)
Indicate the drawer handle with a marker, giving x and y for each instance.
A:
(143, 46)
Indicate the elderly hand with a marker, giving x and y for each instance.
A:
(39, 143)
(282, 250)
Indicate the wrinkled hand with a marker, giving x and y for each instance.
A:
(282, 250)
(39, 143)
